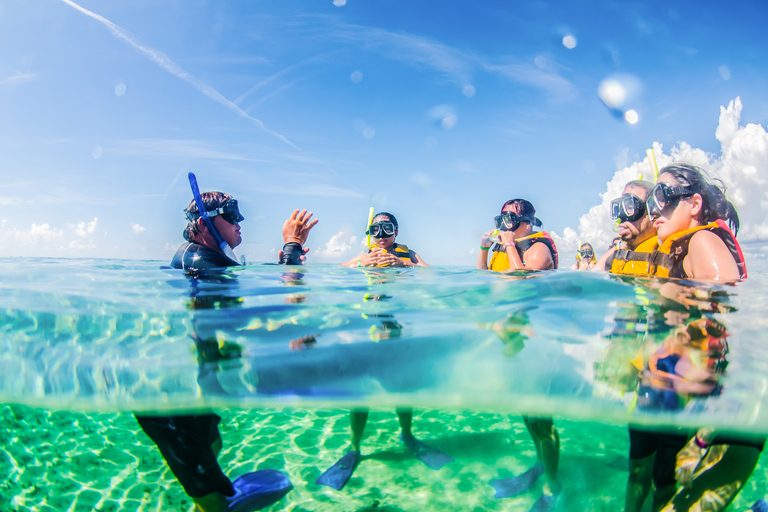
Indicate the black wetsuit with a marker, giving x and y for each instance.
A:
(185, 441)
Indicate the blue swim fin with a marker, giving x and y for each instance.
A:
(254, 491)
(337, 475)
(760, 506)
(545, 503)
(506, 487)
(435, 459)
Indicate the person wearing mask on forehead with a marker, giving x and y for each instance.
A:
(585, 257)
(384, 252)
(638, 236)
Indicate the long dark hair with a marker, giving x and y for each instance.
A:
(714, 203)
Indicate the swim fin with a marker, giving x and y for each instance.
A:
(254, 491)
(506, 487)
(760, 506)
(545, 503)
(435, 459)
(337, 475)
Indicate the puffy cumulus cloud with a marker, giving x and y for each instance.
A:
(83, 229)
(48, 240)
(742, 166)
(339, 248)
(138, 228)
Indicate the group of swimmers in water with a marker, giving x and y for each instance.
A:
(682, 226)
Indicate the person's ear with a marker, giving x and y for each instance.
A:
(697, 203)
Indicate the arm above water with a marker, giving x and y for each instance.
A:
(295, 232)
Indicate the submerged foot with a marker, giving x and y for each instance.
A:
(506, 487)
(545, 503)
(435, 459)
(337, 475)
(254, 491)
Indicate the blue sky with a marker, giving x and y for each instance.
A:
(437, 115)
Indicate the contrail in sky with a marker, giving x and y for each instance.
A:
(166, 63)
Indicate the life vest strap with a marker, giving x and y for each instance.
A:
(629, 255)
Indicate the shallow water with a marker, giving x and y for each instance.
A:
(282, 356)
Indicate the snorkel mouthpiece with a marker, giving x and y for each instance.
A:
(224, 246)
(616, 227)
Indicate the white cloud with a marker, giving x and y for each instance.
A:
(83, 229)
(742, 166)
(339, 248)
(137, 228)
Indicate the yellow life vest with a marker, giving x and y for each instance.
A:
(633, 263)
(401, 251)
(500, 262)
(667, 260)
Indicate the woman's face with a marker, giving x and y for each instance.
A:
(385, 242)
(676, 216)
(523, 228)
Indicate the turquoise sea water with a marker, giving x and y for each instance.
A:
(282, 356)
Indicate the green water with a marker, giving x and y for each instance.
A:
(66, 461)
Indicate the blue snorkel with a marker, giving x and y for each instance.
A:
(224, 246)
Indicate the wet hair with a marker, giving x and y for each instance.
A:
(586, 245)
(523, 208)
(714, 203)
(391, 217)
(645, 185)
(211, 200)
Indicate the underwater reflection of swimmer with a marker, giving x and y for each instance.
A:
(337, 475)
(515, 246)
(190, 443)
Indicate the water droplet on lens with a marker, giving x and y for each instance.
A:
(119, 89)
(356, 77)
(570, 42)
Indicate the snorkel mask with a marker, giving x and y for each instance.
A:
(382, 229)
(663, 195)
(229, 211)
(202, 213)
(627, 208)
(508, 221)
(586, 254)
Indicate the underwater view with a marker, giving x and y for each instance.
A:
(284, 355)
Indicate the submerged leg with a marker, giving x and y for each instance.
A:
(547, 442)
(357, 420)
(638, 483)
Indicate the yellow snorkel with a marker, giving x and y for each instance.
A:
(368, 227)
(652, 162)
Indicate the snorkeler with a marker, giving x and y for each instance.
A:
(636, 231)
(696, 226)
(384, 252)
(516, 245)
(585, 257)
(190, 443)
(519, 247)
